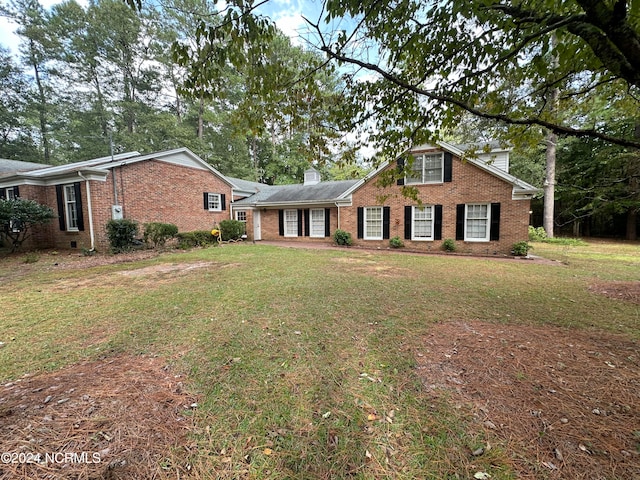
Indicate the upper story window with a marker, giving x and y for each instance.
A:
(427, 168)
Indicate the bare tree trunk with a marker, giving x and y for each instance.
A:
(552, 143)
(201, 119)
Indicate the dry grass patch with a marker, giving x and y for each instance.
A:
(564, 403)
(123, 416)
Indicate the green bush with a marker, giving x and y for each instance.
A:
(537, 234)
(231, 230)
(340, 237)
(449, 245)
(395, 242)
(521, 249)
(122, 235)
(158, 233)
(197, 238)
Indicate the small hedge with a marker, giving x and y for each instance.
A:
(197, 238)
(340, 237)
(231, 230)
(122, 235)
(157, 233)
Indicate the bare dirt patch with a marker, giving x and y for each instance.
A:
(119, 418)
(564, 403)
(628, 291)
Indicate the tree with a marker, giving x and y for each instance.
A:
(435, 59)
(18, 217)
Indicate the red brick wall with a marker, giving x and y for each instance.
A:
(470, 185)
(149, 191)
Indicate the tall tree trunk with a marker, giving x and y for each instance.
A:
(42, 111)
(201, 118)
(552, 143)
(633, 172)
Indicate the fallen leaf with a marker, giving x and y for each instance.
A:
(267, 451)
(481, 476)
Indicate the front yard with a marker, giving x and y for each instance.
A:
(253, 361)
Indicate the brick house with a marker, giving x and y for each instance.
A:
(175, 186)
(471, 199)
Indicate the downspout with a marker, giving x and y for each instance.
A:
(91, 233)
(338, 207)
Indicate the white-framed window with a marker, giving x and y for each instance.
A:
(71, 208)
(373, 223)
(477, 222)
(291, 223)
(11, 193)
(214, 202)
(241, 215)
(316, 222)
(422, 223)
(427, 168)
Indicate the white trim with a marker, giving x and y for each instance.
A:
(420, 157)
(364, 223)
(67, 204)
(487, 236)
(287, 233)
(321, 210)
(413, 224)
(214, 209)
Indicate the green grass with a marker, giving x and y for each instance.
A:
(293, 351)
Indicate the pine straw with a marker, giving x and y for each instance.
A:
(123, 417)
(562, 403)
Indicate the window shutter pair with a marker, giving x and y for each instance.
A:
(223, 201)
(437, 222)
(494, 227)
(62, 207)
(386, 220)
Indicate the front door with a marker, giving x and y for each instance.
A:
(257, 232)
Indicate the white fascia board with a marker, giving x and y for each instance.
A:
(96, 174)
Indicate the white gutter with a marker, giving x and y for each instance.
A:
(91, 233)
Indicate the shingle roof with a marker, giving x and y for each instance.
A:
(14, 166)
(278, 194)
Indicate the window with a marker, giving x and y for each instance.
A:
(214, 202)
(291, 223)
(317, 223)
(12, 193)
(477, 218)
(71, 207)
(427, 168)
(373, 223)
(422, 223)
(241, 215)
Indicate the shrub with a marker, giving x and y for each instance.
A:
(31, 257)
(537, 234)
(395, 242)
(231, 230)
(521, 249)
(197, 238)
(158, 233)
(340, 237)
(449, 245)
(18, 217)
(122, 234)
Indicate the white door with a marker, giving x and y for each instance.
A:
(257, 232)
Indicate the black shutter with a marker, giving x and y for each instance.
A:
(437, 222)
(360, 222)
(327, 222)
(76, 187)
(460, 221)
(60, 200)
(448, 167)
(306, 222)
(400, 167)
(407, 222)
(223, 201)
(281, 222)
(206, 200)
(16, 192)
(386, 220)
(494, 232)
(3, 193)
(300, 221)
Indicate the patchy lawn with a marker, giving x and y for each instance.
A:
(252, 361)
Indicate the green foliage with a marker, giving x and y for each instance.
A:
(449, 245)
(521, 249)
(395, 242)
(18, 217)
(197, 238)
(231, 229)
(341, 237)
(122, 234)
(158, 233)
(571, 242)
(31, 257)
(537, 234)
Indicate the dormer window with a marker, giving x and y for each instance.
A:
(311, 177)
